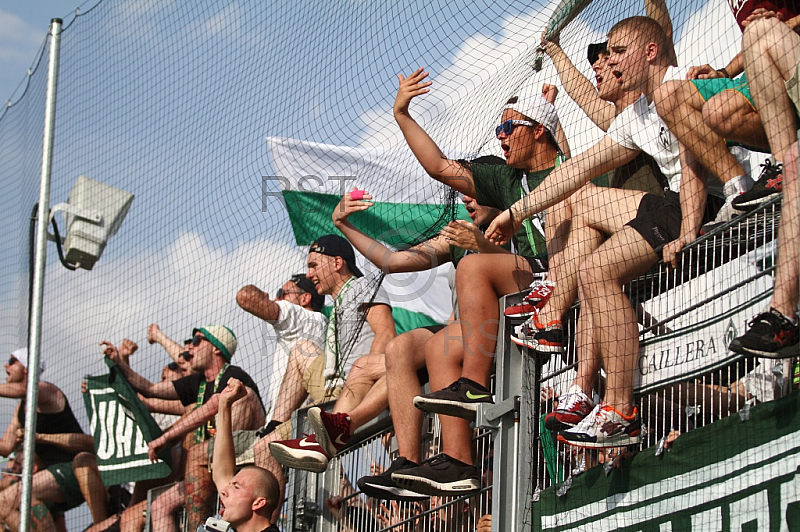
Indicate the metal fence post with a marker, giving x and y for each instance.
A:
(34, 341)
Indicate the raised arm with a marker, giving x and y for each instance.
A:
(156, 336)
(224, 454)
(657, 10)
(70, 441)
(580, 88)
(161, 390)
(423, 256)
(187, 423)
(562, 182)
(257, 302)
(424, 148)
(379, 318)
(163, 406)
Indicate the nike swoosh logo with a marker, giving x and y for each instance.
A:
(338, 441)
(305, 443)
(470, 395)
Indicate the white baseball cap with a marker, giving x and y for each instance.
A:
(539, 110)
(22, 355)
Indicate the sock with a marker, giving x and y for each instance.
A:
(737, 185)
(790, 319)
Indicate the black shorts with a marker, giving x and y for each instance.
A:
(658, 219)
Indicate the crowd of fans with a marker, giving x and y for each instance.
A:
(593, 240)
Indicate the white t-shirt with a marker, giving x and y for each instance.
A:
(638, 127)
(348, 328)
(294, 323)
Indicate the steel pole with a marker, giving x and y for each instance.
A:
(34, 341)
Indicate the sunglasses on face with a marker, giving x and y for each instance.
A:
(509, 125)
(197, 339)
(11, 361)
(281, 293)
(186, 356)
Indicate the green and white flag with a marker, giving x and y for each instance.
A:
(122, 428)
(312, 178)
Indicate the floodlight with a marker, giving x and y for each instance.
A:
(93, 213)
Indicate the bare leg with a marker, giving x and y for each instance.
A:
(785, 296)
(361, 382)
(624, 256)
(132, 519)
(292, 394)
(162, 511)
(681, 107)
(405, 355)
(770, 56)
(480, 280)
(444, 355)
(731, 115)
(94, 492)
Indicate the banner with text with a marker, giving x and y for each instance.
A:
(122, 428)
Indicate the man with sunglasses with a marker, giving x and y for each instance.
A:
(528, 135)
(295, 315)
(212, 349)
(59, 438)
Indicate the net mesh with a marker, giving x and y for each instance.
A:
(188, 107)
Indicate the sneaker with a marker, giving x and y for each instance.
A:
(440, 476)
(769, 183)
(544, 339)
(383, 487)
(771, 335)
(332, 430)
(726, 213)
(303, 453)
(541, 290)
(572, 408)
(604, 427)
(460, 399)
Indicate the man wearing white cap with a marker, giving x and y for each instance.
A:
(211, 351)
(59, 438)
(528, 135)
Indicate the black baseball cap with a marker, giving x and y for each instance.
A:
(306, 285)
(337, 246)
(594, 51)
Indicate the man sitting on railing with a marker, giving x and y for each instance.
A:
(360, 326)
(772, 63)
(641, 226)
(531, 138)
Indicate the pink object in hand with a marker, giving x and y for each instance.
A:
(357, 194)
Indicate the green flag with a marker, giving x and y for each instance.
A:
(122, 428)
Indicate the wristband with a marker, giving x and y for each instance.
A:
(357, 194)
(724, 72)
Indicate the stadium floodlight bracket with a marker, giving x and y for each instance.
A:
(93, 214)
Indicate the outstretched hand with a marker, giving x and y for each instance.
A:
(463, 234)
(409, 88)
(502, 228)
(549, 93)
(347, 206)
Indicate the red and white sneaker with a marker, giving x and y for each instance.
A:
(573, 407)
(332, 430)
(604, 427)
(303, 453)
(543, 338)
(541, 290)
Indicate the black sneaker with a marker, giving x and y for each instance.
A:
(383, 487)
(460, 399)
(440, 476)
(771, 335)
(769, 183)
